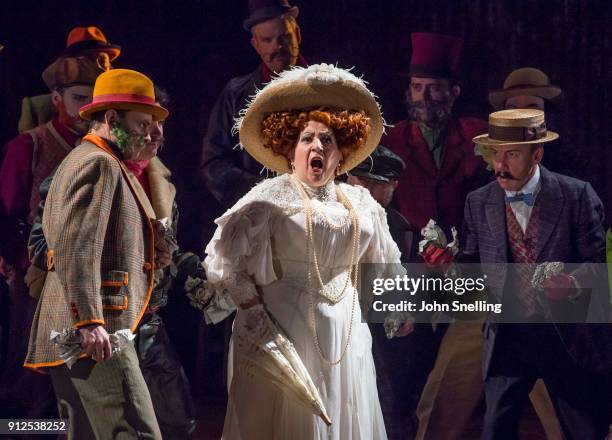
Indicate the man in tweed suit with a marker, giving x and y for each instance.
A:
(530, 216)
(101, 262)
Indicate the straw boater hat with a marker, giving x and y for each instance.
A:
(525, 81)
(516, 127)
(320, 85)
(124, 89)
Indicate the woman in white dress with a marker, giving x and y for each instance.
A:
(289, 252)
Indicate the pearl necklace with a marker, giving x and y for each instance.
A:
(354, 267)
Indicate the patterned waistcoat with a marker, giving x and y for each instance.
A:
(50, 149)
(522, 252)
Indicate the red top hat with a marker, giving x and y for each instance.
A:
(435, 55)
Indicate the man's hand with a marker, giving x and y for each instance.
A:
(560, 287)
(437, 256)
(405, 329)
(96, 342)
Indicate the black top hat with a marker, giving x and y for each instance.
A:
(383, 164)
(262, 10)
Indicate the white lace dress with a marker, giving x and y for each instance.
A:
(260, 244)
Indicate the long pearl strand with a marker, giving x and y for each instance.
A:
(354, 267)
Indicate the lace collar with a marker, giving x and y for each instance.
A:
(324, 194)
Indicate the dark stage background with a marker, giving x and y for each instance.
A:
(192, 48)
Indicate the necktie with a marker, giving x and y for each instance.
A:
(527, 198)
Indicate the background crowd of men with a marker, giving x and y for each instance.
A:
(431, 381)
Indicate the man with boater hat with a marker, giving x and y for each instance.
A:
(527, 217)
(102, 254)
(227, 171)
(28, 159)
(89, 42)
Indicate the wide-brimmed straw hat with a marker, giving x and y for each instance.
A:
(525, 81)
(320, 85)
(124, 89)
(516, 127)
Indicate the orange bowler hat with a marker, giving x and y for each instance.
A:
(124, 89)
(90, 38)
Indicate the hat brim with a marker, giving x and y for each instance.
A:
(485, 140)
(112, 50)
(268, 13)
(497, 98)
(157, 111)
(367, 175)
(299, 95)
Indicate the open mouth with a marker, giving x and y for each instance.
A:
(316, 164)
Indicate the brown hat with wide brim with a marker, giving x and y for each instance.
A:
(516, 127)
(525, 81)
(319, 85)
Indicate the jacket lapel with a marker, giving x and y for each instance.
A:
(417, 148)
(495, 211)
(551, 200)
(453, 154)
(139, 193)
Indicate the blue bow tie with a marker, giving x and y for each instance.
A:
(527, 198)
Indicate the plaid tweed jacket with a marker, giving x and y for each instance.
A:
(570, 230)
(101, 250)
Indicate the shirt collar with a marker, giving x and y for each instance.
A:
(532, 186)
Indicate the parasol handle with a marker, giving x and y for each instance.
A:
(325, 418)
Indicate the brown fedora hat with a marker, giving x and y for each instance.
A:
(525, 81)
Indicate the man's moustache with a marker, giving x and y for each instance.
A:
(505, 175)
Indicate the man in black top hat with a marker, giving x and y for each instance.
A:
(275, 35)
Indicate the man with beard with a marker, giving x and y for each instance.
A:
(103, 253)
(436, 146)
(159, 363)
(28, 160)
(441, 169)
(89, 42)
(227, 171)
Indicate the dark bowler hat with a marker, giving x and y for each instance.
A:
(435, 56)
(262, 10)
(383, 164)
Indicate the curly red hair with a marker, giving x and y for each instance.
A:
(281, 130)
